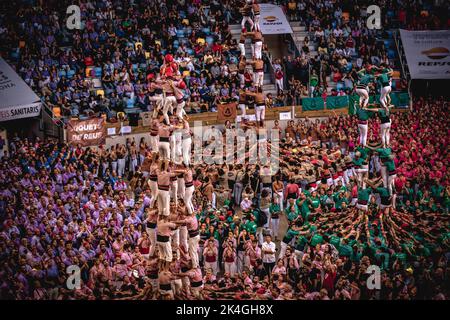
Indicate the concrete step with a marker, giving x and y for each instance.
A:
(298, 28)
(267, 81)
(235, 27)
(270, 86)
(294, 23)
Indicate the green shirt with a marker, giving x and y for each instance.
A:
(316, 239)
(339, 200)
(314, 81)
(335, 241)
(345, 250)
(364, 152)
(436, 191)
(301, 243)
(315, 201)
(250, 226)
(390, 165)
(358, 162)
(384, 153)
(384, 195)
(384, 116)
(364, 194)
(290, 234)
(274, 208)
(383, 80)
(362, 114)
(365, 79)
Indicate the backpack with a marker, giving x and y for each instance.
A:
(262, 220)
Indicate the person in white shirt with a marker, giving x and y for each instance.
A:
(268, 250)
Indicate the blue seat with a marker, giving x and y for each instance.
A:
(190, 52)
(176, 43)
(390, 13)
(206, 31)
(209, 40)
(15, 54)
(70, 74)
(135, 67)
(184, 40)
(188, 31)
(339, 86)
(391, 54)
(348, 67)
(180, 33)
(163, 52)
(62, 73)
(130, 103)
(98, 72)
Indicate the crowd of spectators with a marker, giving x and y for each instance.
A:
(345, 44)
(121, 44)
(62, 205)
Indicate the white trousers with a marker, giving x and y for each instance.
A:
(246, 19)
(280, 196)
(260, 113)
(154, 192)
(242, 48)
(242, 107)
(211, 265)
(391, 185)
(152, 236)
(230, 267)
(258, 50)
(163, 202)
(120, 167)
(274, 226)
(257, 27)
(186, 148)
(383, 95)
(363, 134)
(164, 149)
(193, 250)
(189, 192)
(180, 109)
(154, 141)
(177, 285)
(385, 133)
(170, 103)
(165, 251)
(114, 166)
(279, 83)
(181, 188)
(159, 101)
(364, 97)
(258, 78)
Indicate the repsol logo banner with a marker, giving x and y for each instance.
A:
(19, 112)
(273, 20)
(427, 53)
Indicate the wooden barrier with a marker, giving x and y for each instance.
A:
(210, 118)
